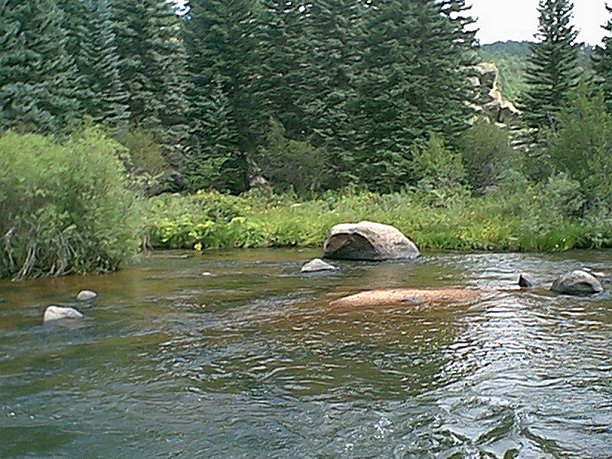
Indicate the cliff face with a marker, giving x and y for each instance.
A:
(491, 102)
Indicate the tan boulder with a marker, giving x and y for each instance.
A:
(368, 241)
(408, 297)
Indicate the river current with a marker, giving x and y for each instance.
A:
(236, 354)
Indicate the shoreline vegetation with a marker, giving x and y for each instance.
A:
(517, 216)
(76, 206)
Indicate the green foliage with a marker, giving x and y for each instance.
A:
(152, 68)
(293, 165)
(65, 206)
(104, 97)
(486, 154)
(437, 169)
(602, 61)
(144, 161)
(228, 112)
(38, 79)
(552, 71)
(517, 216)
(582, 146)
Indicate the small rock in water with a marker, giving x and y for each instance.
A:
(317, 265)
(86, 295)
(59, 313)
(207, 274)
(577, 283)
(525, 281)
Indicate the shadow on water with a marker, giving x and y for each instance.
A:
(235, 354)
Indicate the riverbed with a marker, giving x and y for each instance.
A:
(236, 354)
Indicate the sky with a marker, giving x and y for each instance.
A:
(501, 20)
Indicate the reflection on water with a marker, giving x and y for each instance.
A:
(247, 361)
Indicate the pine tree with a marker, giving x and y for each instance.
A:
(329, 78)
(412, 81)
(152, 67)
(228, 112)
(98, 62)
(37, 76)
(552, 71)
(602, 62)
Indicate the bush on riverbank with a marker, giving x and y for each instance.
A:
(517, 216)
(65, 206)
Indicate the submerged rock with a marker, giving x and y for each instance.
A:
(368, 241)
(408, 297)
(317, 265)
(86, 295)
(577, 283)
(53, 313)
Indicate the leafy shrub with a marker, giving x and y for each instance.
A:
(438, 172)
(582, 146)
(65, 206)
(486, 154)
(293, 165)
(144, 161)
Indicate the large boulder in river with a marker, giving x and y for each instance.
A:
(53, 313)
(577, 283)
(368, 241)
(408, 297)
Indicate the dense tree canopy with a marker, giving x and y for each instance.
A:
(38, 78)
(310, 95)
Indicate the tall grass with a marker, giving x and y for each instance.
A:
(64, 206)
(516, 217)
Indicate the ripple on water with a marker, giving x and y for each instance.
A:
(249, 365)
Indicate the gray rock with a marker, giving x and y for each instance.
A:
(317, 265)
(60, 313)
(525, 281)
(577, 283)
(368, 241)
(86, 295)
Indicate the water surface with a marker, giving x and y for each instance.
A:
(235, 354)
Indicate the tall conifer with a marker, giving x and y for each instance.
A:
(602, 61)
(228, 111)
(552, 71)
(37, 76)
(152, 67)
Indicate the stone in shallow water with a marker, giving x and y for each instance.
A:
(525, 281)
(86, 295)
(408, 297)
(577, 283)
(317, 265)
(60, 313)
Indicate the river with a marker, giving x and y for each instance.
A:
(235, 354)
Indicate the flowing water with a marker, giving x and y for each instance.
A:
(235, 354)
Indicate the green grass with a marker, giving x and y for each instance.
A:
(524, 221)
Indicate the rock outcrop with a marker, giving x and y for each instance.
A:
(577, 283)
(491, 102)
(316, 266)
(408, 297)
(53, 313)
(368, 241)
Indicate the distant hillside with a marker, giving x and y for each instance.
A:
(511, 60)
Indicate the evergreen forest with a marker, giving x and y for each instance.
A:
(216, 123)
